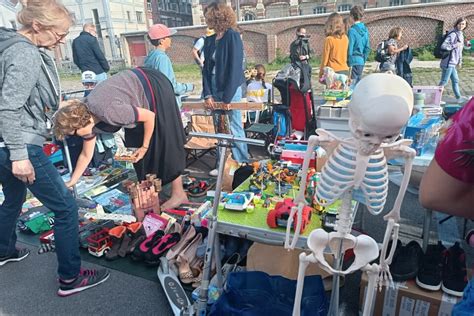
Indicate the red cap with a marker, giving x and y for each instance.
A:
(159, 31)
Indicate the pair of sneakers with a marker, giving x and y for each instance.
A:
(86, 279)
(444, 269)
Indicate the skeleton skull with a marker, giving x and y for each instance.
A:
(380, 106)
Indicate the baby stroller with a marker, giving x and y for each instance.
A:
(294, 85)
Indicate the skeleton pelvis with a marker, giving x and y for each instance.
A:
(364, 247)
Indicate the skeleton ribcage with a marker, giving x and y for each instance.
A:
(338, 176)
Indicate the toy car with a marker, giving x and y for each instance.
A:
(238, 201)
(99, 243)
(278, 217)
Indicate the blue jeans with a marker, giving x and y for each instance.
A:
(240, 151)
(50, 190)
(356, 75)
(450, 73)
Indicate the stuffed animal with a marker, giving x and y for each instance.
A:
(334, 80)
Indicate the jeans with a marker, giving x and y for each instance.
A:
(450, 73)
(50, 190)
(356, 75)
(101, 77)
(239, 150)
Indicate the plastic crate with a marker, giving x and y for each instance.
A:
(339, 126)
(433, 94)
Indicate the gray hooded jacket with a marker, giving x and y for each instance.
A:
(29, 93)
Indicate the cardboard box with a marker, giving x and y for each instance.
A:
(408, 299)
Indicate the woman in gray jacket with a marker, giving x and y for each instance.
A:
(29, 92)
(454, 43)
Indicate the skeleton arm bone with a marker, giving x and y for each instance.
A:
(399, 148)
(324, 139)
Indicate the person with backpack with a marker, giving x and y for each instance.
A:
(29, 93)
(335, 46)
(359, 45)
(198, 45)
(159, 36)
(391, 49)
(451, 51)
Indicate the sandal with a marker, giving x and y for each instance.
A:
(200, 188)
(165, 243)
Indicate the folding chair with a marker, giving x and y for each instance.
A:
(197, 147)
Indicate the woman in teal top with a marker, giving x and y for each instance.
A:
(160, 37)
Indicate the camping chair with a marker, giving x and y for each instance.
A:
(197, 147)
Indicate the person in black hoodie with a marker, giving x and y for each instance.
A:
(87, 55)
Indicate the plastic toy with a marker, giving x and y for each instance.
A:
(380, 106)
(144, 196)
(278, 217)
(101, 215)
(238, 201)
(333, 80)
(99, 243)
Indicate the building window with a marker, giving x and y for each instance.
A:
(343, 7)
(148, 5)
(426, 1)
(129, 16)
(139, 16)
(396, 2)
(173, 7)
(319, 10)
(249, 16)
(365, 5)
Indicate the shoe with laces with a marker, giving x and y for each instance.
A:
(86, 279)
(454, 271)
(406, 262)
(429, 274)
(18, 256)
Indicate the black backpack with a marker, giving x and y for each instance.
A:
(382, 54)
(438, 52)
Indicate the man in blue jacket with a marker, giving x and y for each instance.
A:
(87, 55)
(359, 45)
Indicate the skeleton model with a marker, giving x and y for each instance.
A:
(144, 196)
(357, 168)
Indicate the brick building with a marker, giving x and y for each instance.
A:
(270, 9)
(264, 39)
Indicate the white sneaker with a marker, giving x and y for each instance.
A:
(462, 99)
(214, 173)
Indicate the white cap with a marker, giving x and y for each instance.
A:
(89, 76)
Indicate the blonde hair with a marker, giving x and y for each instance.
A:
(71, 116)
(48, 13)
(334, 25)
(395, 32)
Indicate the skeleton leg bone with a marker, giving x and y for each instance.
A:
(372, 271)
(304, 262)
